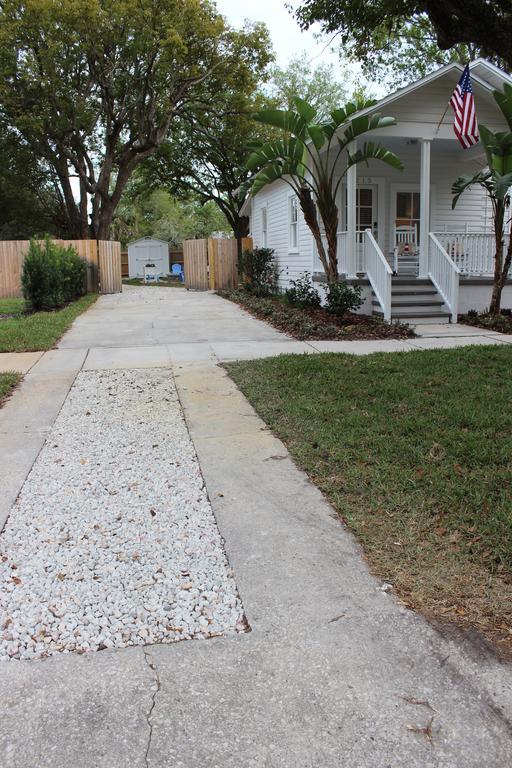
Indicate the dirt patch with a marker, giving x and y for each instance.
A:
(316, 324)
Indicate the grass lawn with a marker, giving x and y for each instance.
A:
(8, 381)
(163, 283)
(12, 306)
(414, 450)
(40, 330)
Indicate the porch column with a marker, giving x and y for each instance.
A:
(351, 215)
(424, 206)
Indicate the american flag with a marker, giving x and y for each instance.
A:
(463, 103)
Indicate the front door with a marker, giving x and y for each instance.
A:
(366, 218)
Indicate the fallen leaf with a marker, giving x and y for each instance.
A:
(418, 702)
(426, 730)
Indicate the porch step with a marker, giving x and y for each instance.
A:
(407, 300)
(414, 301)
(416, 318)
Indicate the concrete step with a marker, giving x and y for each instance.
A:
(417, 317)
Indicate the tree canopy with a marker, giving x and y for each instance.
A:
(364, 24)
(205, 153)
(318, 86)
(94, 88)
(30, 200)
(409, 53)
(158, 214)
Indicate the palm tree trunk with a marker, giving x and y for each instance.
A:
(499, 273)
(310, 217)
(501, 270)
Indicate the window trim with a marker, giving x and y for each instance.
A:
(264, 226)
(293, 204)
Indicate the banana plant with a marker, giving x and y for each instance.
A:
(313, 158)
(496, 180)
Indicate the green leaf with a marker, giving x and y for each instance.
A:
(305, 110)
(504, 101)
(465, 182)
(287, 120)
(317, 136)
(373, 151)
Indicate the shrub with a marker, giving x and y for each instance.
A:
(258, 271)
(341, 298)
(52, 275)
(302, 292)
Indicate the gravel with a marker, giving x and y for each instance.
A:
(112, 541)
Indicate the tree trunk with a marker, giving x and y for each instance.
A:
(240, 226)
(311, 218)
(501, 270)
(331, 233)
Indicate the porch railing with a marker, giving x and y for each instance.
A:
(343, 254)
(472, 252)
(379, 273)
(444, 273)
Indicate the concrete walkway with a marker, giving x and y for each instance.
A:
(333, 669)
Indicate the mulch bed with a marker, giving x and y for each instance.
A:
(501, 323)
(316, 324)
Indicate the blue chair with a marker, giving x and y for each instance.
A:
(177, 269)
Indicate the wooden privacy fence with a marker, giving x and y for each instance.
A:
(109, 263)
(12, 254)
(212, 264)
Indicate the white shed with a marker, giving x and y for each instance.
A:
(148, 250)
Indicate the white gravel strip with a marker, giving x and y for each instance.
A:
(112, 541)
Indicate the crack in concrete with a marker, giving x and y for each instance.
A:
(152, 666)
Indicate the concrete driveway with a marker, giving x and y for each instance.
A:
(334, 672)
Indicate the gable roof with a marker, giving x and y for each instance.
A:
(485, 74)
(147, 239)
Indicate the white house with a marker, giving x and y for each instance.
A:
(416, 257)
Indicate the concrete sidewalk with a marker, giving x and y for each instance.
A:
(330, 671)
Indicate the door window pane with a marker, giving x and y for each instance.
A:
(408, 211)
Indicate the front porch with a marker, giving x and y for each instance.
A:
(401, 228)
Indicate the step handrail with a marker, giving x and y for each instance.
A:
(444, 273)
(379, 273)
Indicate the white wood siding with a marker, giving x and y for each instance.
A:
(276, 199)
(427, 104)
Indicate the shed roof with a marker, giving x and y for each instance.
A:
(147, 239)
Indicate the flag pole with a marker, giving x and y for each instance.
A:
(441, 120)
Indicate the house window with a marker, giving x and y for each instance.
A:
(264, 239)
(408, 211)
(294, 224)
(365, 217)
(364, 209)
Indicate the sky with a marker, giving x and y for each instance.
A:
(286, 35)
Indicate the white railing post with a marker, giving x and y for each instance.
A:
(424, 206)
(379, 273)
(351, 215)
(444, 274)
